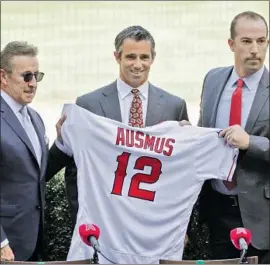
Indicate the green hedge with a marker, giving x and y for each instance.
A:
(58, 225)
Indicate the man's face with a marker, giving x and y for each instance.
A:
(135, 61)
(249, 46)
(13, 83)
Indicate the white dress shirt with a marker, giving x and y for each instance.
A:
(250, 87)
(125, 99)
(14, 105)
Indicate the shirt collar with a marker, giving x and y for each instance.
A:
(251, 81)
(124, 89)
(14, 105)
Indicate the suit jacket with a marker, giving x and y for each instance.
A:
(162, 106)
(253, 167)
(21, 182)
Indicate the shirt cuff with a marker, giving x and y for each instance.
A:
(4, 243)
(63, 148)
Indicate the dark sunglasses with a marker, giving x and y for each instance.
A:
(28, 76)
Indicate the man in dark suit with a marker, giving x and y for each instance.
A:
(24, 155)
(135, 53)
(236, 99)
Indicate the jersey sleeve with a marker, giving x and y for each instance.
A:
(67, 129)
(214, 158)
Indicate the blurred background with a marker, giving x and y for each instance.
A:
(76, 44)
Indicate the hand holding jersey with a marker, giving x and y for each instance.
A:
(236, 136)
(134, 183)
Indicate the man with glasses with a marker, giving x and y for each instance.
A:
(23, 155)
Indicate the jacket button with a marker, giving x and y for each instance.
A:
(38, 207)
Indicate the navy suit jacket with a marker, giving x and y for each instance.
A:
(22, 183)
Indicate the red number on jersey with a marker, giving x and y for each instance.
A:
(134, 190)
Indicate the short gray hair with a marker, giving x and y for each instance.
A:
(16, 48)
(136, 33)
(249, 15)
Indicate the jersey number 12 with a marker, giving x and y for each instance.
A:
(134, 190)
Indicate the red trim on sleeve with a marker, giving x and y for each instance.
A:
(234, 158)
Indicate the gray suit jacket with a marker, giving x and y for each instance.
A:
(21, 182)
(253, 167)
(162, 106)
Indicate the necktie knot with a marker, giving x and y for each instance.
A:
(240, 83)
(135, 91)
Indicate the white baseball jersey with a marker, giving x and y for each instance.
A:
(139, 185)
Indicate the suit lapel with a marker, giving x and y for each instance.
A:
(9, 116)
(39, 128)
(155, 106)
(110, 103)
(261, 96)
(218, 87)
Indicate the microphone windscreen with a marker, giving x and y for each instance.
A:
(87, 230)
(238, 233)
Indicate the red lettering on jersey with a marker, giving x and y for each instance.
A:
(120, 139)
(139, 137)
(169, 145)
(159, 145)
(129, 138)
(149, 142)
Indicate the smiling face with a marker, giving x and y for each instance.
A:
(249, 45)
(135, 61)
(13, 82)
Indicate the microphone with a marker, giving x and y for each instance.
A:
(89, 234)
(241, 238)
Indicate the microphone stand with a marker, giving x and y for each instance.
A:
(94, 260)
(243, 257)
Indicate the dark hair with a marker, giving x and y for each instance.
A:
(136, 33)
(16, 48)
(249, 15)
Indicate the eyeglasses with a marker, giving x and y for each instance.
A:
(28, 76)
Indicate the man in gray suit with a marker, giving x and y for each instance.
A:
(135, 53)
(236, 99)
(24, 155)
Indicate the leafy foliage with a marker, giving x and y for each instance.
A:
(58, 227)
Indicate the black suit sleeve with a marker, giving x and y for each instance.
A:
(56, 161)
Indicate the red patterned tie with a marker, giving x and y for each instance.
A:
(235, 118)
(136, 111)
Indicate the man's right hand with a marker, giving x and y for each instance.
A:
(7, 253)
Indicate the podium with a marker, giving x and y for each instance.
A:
(86, 261)
(251, 260)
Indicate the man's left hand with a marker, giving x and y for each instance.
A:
(58, 127)
(236, 136)
(184, 123)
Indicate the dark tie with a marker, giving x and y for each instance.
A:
(136, 110)
(235, 118)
